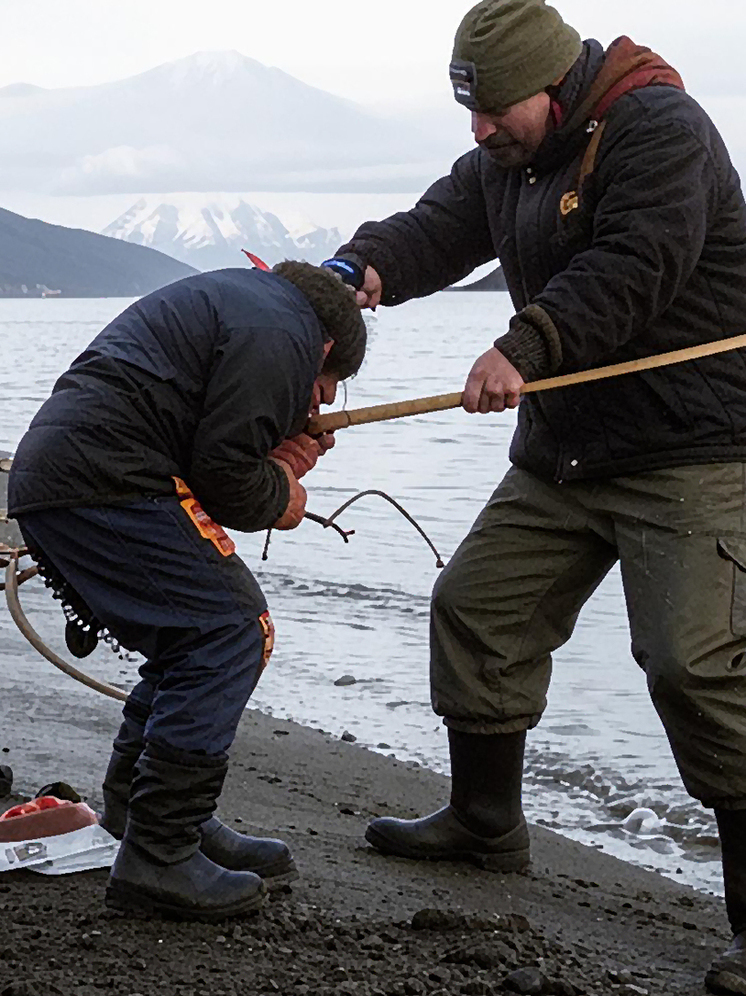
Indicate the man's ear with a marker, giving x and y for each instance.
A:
(328, 347)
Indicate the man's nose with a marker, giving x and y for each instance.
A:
(330, 393)
(481, 126)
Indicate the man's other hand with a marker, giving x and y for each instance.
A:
(301, 452)
(369, 295)
(296, 507)
(326, 441)
(493, 385)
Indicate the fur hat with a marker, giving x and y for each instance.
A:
(334, 305)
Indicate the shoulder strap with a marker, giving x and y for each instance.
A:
(589, 159)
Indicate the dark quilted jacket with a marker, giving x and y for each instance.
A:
(200, 380)
(652, 260)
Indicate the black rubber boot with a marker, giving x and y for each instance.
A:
(728, 972)
(269, 858)
(160, 869)
(128, 745)
(484, 822)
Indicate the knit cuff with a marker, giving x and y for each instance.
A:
(532, 343)
(383, 262)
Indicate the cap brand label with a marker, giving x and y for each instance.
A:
(464, 79)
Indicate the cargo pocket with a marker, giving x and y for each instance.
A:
(735, 551)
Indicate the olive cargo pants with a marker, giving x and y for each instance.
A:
(512, 592)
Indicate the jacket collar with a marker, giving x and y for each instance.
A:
(595, 82)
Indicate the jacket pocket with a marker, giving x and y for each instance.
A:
(735, 551)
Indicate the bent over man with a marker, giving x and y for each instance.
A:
(610, 199)
(185, 414)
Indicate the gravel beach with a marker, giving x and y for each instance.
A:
(356, 923)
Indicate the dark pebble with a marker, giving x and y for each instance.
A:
(528, 981)
(438, 920)
(490, 956)
(477, 988)
(621, 978)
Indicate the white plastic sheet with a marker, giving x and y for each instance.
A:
(81, 850)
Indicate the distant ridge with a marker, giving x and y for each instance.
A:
(37, 259)
(20, 90)
(494, 281)
(210, 230)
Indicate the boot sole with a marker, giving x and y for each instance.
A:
(501, 861)
(286, 873)
(132, 899)
(280, 879)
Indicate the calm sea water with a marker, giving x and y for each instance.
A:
(361, 609)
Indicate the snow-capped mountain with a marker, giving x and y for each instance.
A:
(212, 121)
(209, 231)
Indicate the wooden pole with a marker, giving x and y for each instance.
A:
(444, 402)
(383, 413)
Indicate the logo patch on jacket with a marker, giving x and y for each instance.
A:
(569, 202)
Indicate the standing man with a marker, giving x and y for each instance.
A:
(184, 415)
(610, 199)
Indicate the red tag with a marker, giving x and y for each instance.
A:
(207, 527)
(268, 631)
(258, 263)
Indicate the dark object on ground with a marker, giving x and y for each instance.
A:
(60, 790)
(528, 981)
(48, 258)
(6, 780)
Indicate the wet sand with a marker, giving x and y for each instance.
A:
(578, 922)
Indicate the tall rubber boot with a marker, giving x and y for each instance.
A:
(728, 972)
(484, 822)
(269, 858)
(128, 745)
(160, 869)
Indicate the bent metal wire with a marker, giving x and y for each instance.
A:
(13, 549)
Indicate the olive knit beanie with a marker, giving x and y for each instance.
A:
(509, 50)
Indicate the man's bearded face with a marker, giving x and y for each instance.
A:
(513, 138)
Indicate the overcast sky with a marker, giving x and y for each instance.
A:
(389, 54)
(383, 51)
